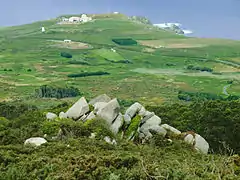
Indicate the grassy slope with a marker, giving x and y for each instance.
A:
(25, 47)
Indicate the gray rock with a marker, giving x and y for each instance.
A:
(127, 119)
(83, 117)
(108, 139)
(189, 139)
(62, 115)
(141, 135)
(93, 135)
(110, 111)
(147, 116)
(117, 124)
(80, 108)
(114, 142)
(201, 144)
(142, 111)
(151, 122)
(133, 109)
(171, 130)
(99, 105)
(159, 130)
(35, 141)
(101, 98)
(90, 116)
(146, 134)
(51, 116)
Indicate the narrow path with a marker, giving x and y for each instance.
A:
(225, 89)
(228, 63)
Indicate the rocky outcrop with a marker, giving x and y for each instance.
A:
(137, 122)
(35, 141)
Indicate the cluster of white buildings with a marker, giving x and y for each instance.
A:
(75, 19)
(171, 25)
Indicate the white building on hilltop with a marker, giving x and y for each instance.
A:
(173, 26)
(74, 19)
(84, 18)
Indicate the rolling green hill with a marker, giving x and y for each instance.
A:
(157, 72)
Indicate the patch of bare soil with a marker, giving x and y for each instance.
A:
(163, 44)
(71, 45)
(38, 67)
(148, 50)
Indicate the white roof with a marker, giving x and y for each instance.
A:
(165, 25)
(187, 31)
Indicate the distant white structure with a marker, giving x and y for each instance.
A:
(84, 18)
(171, 25)
(187, 31)
(113, 50)
(43, 29)
(161, 46)
(67, 40)
(115, 12)
(167, 25)
(65, 19)
(74, 19)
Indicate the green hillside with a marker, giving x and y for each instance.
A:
(30, 58)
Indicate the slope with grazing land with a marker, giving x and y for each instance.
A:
(30, 58)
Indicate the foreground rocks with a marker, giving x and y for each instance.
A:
(35, 141)
(136, 122)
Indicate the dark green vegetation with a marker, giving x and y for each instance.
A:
(125, 41)
(75, 156)
(217, 121)
(56, 92)
(66, 55)
(88, 74)
(200, 96)
(191, 67)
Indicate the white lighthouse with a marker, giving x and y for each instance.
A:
(43, 29)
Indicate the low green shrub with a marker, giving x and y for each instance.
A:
(46, 91)
(125, 41)
(66, 55)
(196, 68)
(196, 96)
(217, 121)
(12, 110)
(78, 62)
(85, 74)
